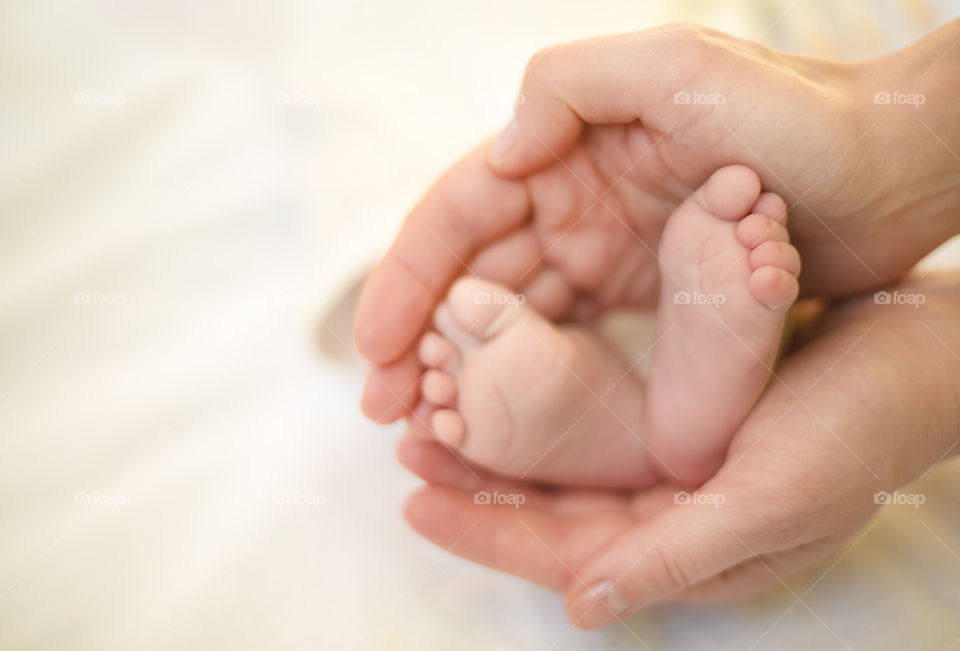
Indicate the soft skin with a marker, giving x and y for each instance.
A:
(524, 397)
(568, 206)
(870, 402)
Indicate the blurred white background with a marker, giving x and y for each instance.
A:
(187, 192)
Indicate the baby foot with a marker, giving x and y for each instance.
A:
(518, 395)
(728, 275)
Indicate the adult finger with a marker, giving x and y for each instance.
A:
(392, 390)
(532, 544)
(467, 208)
(438, 465)
(607, 80)
(435, 464)
(756, 575)
(660, 558)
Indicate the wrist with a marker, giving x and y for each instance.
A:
(910, 96)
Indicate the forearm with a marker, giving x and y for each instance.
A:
(910, 366)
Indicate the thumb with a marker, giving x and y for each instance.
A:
(606, 80)
(660, 557)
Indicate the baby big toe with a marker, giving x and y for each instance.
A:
(774, 287)
(448, 325)
(481, 308)
(730, 191)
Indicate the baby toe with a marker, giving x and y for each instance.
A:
(481, 308)
(776, 254)
(774, 287)
(773, 206)
(439, 388)
(757, 228)
(436, 351)
(729, 192)
(449, 427)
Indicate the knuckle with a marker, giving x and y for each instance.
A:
(694, 44)
(666, 574)
(792, 506)
(681, 33)
(539, 63)
(681, 29)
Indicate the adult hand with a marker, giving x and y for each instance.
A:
(614, 132)
(871, 402)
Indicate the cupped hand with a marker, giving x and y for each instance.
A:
(870, 402)
(612, 133)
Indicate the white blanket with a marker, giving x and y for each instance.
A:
(187, 190)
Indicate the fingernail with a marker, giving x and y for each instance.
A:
(599, 604)
(506, 141)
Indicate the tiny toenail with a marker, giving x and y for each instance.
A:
(767, 225)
